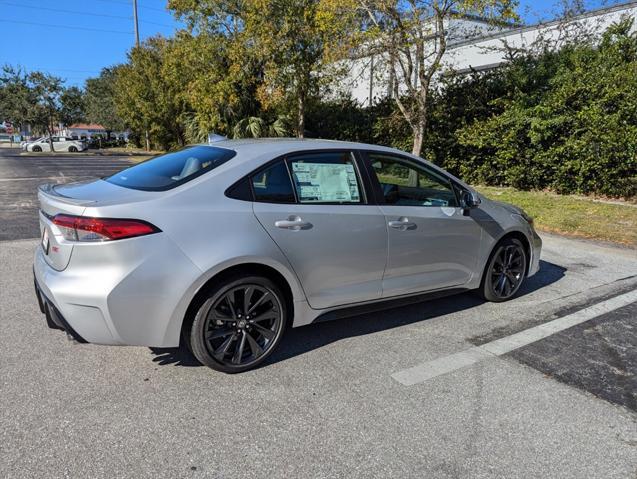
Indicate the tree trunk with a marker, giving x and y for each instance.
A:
(50, 130)
(147, 140)
(300, 118)
(419, 137)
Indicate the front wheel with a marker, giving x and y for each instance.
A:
(73, 149)
(505, 271)
(238, 324)
(36, 149)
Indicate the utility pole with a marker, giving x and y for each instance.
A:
(136, 21)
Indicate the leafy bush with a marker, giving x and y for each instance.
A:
(344, 119)
(566, 121)
(562, 120)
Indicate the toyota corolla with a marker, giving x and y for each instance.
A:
(225, 245)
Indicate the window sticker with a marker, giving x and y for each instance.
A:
(326, 182)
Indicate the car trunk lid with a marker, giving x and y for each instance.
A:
(73, 199)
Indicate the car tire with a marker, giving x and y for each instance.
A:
(36, 149)
(72, 149)
(230, 336)
(505, 271)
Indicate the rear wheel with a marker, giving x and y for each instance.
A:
(505, 271)
(36, 149)
(73, 149)
(238, 325)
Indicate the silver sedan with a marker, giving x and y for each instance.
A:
(227, 244)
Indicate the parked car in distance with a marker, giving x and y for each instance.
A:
(60, 143)
(97, 143)
(228, 244)
(5, 138)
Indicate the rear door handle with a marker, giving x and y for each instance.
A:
(402, 224)
(293, 223)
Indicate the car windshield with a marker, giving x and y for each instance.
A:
(172, 169)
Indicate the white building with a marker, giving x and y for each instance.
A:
(84, 131)
(474, 44)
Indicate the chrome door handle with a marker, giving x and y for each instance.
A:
(402, 224)
(293, 223)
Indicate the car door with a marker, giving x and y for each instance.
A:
(432, 243)
(45, 145)
(60, 143)
(314, 206)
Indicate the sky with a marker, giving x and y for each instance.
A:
(74, 39)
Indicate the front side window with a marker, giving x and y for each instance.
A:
(172, 169)
(328, 177)
(273, 185)
(404, 183)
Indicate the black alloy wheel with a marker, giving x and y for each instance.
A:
(239, 324)
(36, 149)
(505, 271)
(72, 149)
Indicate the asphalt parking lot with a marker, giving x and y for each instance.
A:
(333, 401)
(21, 175)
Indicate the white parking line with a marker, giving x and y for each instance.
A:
(437, 367)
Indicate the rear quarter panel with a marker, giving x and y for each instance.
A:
(213, 231)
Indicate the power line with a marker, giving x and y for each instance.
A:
(156, 23)
(72, 71)
(72, 12)
(128, 5)
(66, 27)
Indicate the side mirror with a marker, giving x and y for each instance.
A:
(471, 199)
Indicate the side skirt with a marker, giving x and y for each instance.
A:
(389, 303)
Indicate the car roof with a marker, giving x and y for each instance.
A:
(251, 146)
(251, 149)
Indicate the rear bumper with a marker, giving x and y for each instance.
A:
(130, 292)
(54, 318)
(79, 316)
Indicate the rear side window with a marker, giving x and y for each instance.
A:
(273, 185)
(172, 169)
(326, 177)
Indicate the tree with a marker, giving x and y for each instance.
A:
(300, 42)
(295, 43)
(72, 108)
(219, 89)
(46, 93)
(16, 97)
(99, 100)
(412, 36)
(149, 99)
(257, 127)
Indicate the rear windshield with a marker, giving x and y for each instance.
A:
(172, 169)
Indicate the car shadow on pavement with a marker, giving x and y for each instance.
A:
(180, 356)
(302, 340)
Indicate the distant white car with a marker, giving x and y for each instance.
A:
(60, 143)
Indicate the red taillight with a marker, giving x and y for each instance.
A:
(83, 228)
